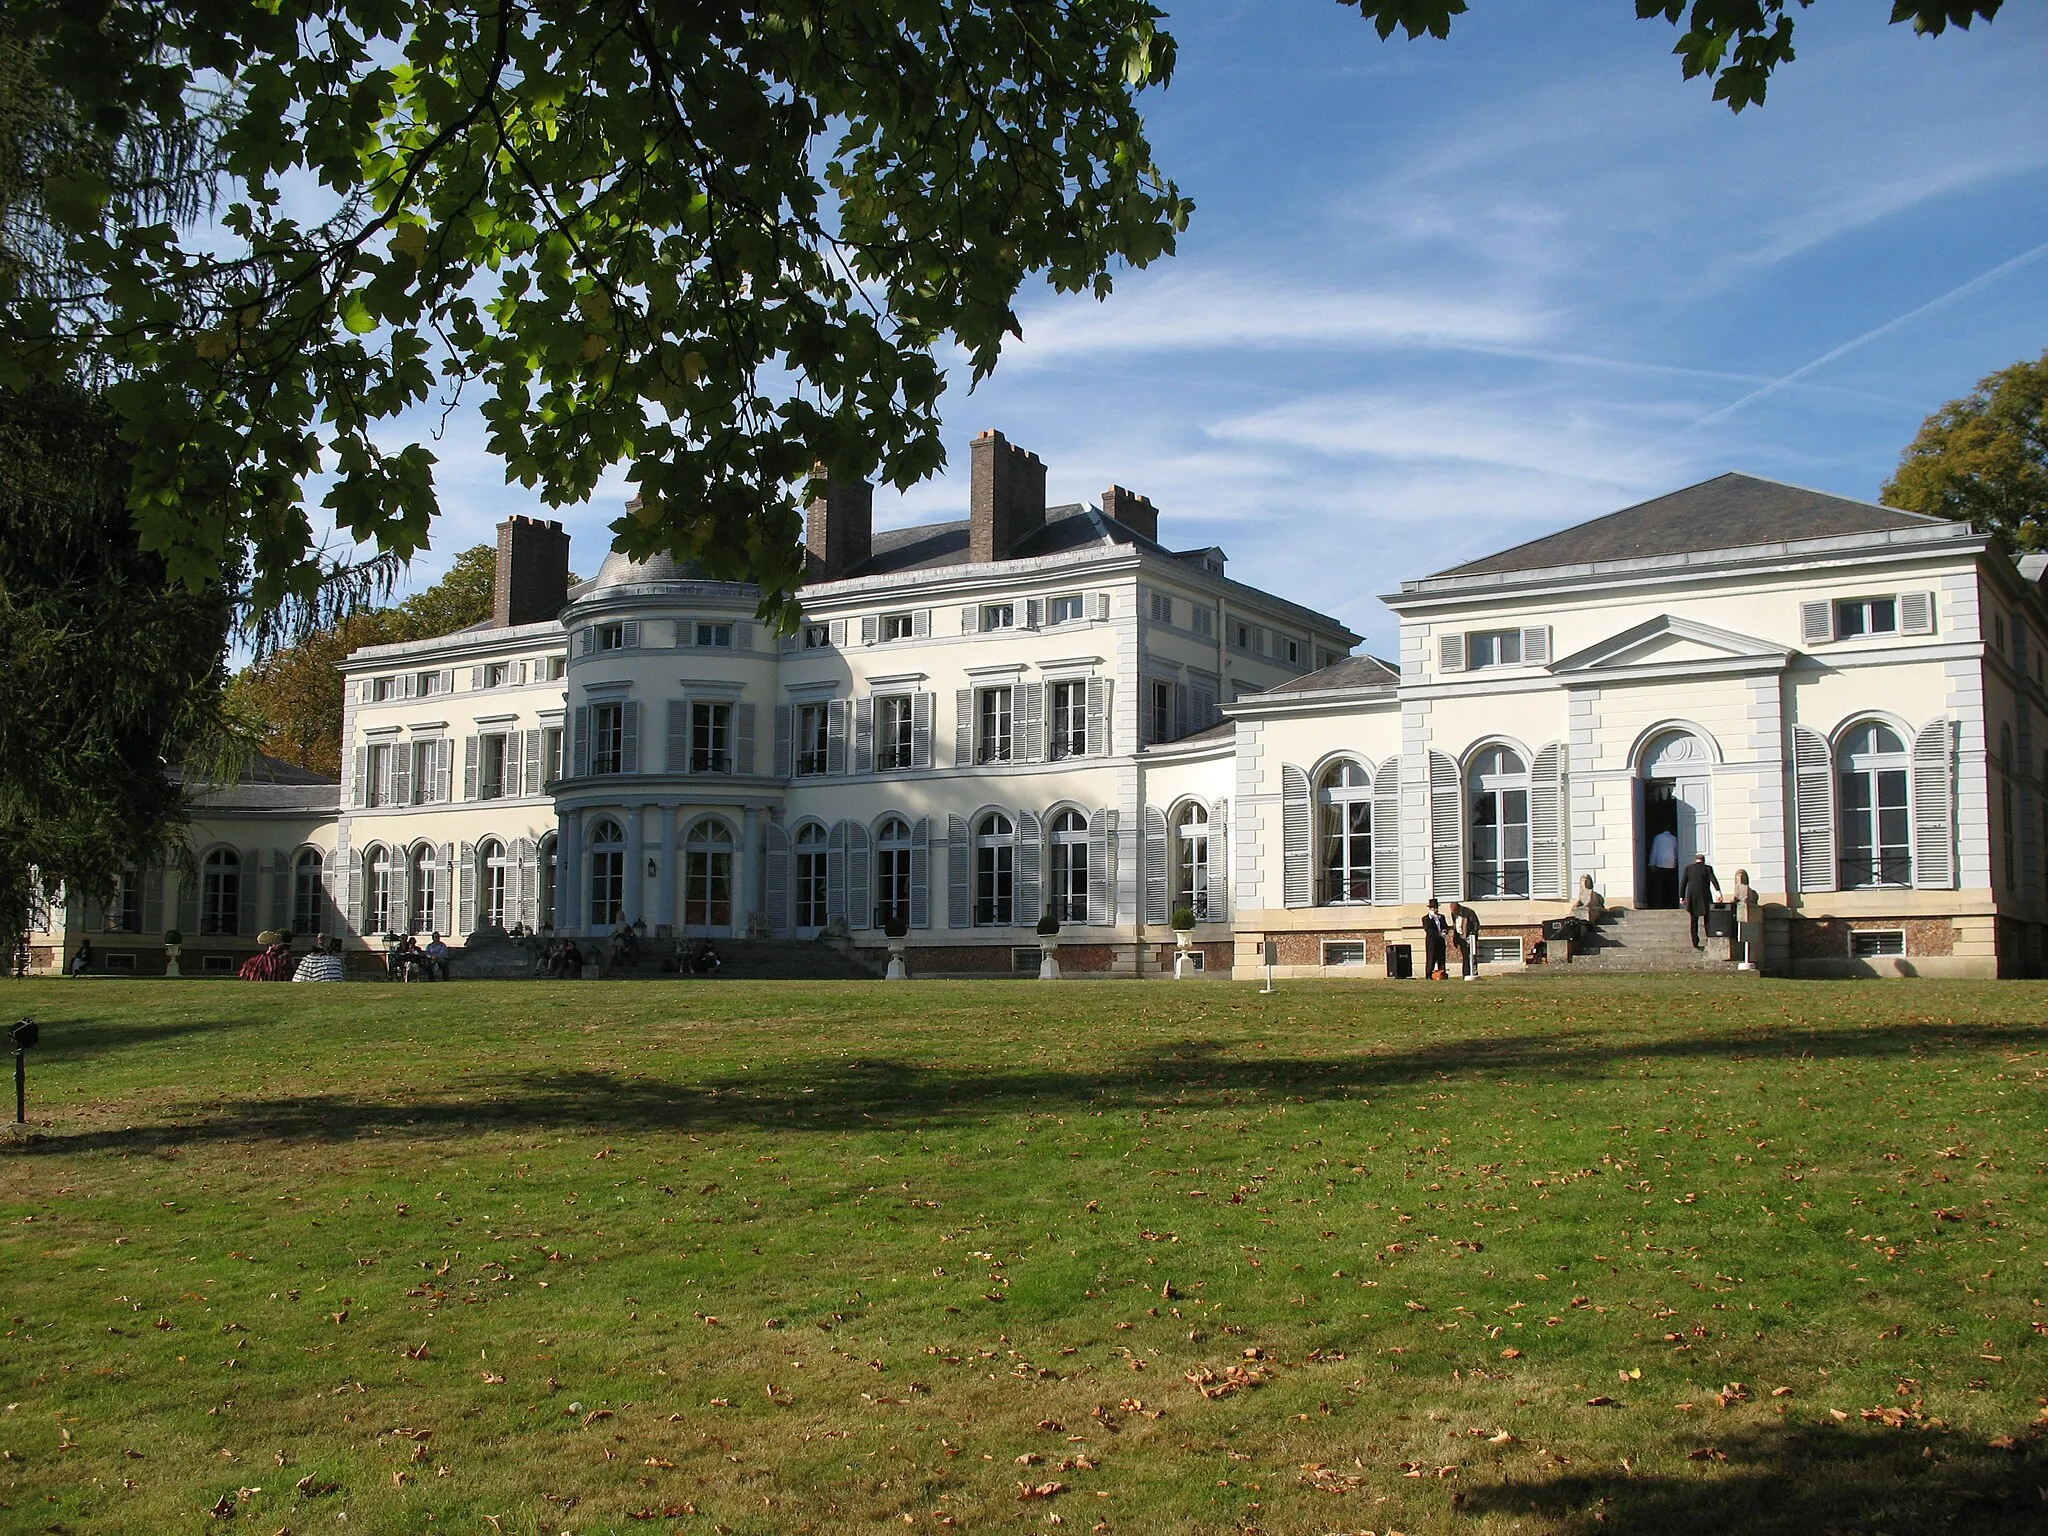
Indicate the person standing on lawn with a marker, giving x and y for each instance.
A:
(1697, 888)
(1465, 934)
(1435, 932)
(1749, 921)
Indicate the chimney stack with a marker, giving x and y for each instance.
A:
(1008, 501)
(839, 530)
(532, 581)
(1135, 512)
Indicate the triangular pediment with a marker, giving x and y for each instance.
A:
(1670, 643)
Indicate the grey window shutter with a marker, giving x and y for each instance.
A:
(1101, 839)
(1030, 723)
(686, 634)
(1536, 645)
(970, 621)
(409, 685)
(835, 873)
(355, 891)
(476, 679)
(743, 636)
(630, 633)
(1450, 650)
(188, 903)
(860, 890)
(447, 679)
(401, 773)
(1098, 717)
(469, 760)
(1205, 709)
(1446, 830)
(584, 641)
(280, 889)
(1816, 623)
(920, 624)
(1218, 871)
(864, 735)
(153, 899)
(778, 879)
(678, 736)
(963, 728)
(1157, 852)
(579, 762)
(1297, 842)
(1547, 862)
(444, 770)
(401, 890)
(1098, 606)
(870, 629)
(443, 919)
(522, 901)
(1933, 801)
(1030, 906)
(1034, 613)
(743, 737)
(785, 748)
(465, 890)
(1813, 794)
(835, 736)
(1386, 832)
(519, 673)
(958, 912)
(921, 873)
(838, 633)
(630, 733)
(921, 730)
(1916, 613)
(533, 768)
(358, 777)
(1180, 709)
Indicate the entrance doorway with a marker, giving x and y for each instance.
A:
(1674, 799)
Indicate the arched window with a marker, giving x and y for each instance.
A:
(607, 874)
(377, 914)
(424, 877)
(1499, 788)
(995, 871)
(1068, 896)
(707, 875)
(1191, 860)
(810, 876)
(220, 892)
(1344, 798)
(307, 906)
(1876, 832)
(892, 873)
(549, 867)
(494, 884)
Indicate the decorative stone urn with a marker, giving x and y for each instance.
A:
(174, 945)
(898, 936)
(1183, 941)
(1049, 947)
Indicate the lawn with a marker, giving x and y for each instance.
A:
(1662, 1256)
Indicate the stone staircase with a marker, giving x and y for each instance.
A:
(745, 960)
(1648, 940)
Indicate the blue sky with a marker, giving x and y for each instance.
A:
(1442, 296)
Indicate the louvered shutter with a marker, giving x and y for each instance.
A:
(778, 879)
(970, 621)
(785, 741)
(1814, 809)
(280, 890)
(963, 729)
(920, 624)
(1450, 650)
(525, 894)
(1547, 862)
(465, 889)
(1386, 832)
(959, 912)
(152, 899)
(1034, 613)
(401, 890)
(1933, 800)
(835, 873)
(864, 735)
(837, 631)
(870, 629)
(1216, 874)
(580, 748)
(921, 873)
(1029, 904)
(743, 636)
(1180, 709)
(744, 737)
(629, 754)
(1536, 645)
(401, 773)
(1157, 853)
(533, 768)
(1030, 722)
(469, 767)
(444, 770)
(354, 878)
(835, 736)
(1446, 830)
(1098, 717)
(678, 736)
(1816, 623)
(476, 679)
(860, 890)
(519, 674)
(629, 632)
(921, 706)
(358, 778)
(409, 686)
(586, 642)
(1099, 605)
(1297, 839)
(188, 902)
(686, 635)
(1101, 839)
(1916, 613)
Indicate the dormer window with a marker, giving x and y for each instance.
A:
(1866, 616)
(497, 674)
(998, 616)
(1493, 648)
(898, 626)
(1069, 609)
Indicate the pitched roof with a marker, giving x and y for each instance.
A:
(1348, 672)
(933, 546)
(1731, 511)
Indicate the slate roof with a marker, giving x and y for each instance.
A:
(1350, 672)
(934, 546)
(267, 784)
(1731, 511)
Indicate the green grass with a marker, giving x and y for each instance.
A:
(722, 1257)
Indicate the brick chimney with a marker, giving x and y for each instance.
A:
(1135, 512)
(839, 530)
(533, 571)
(1008, 501)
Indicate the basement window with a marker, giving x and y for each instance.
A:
(1344, 952)
(1500, 951)
(1870, 943)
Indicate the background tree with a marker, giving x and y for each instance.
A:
(1983, 459)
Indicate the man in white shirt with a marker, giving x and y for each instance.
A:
(1664, 870)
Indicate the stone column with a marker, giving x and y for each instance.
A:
(569, 874)
(636, 866)
(670, 865)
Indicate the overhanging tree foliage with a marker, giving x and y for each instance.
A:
(1983, 459)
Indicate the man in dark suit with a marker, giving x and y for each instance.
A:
(1697, 888)
(1434, 930)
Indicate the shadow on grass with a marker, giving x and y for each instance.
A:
(1800, 1480)
(887, 1093)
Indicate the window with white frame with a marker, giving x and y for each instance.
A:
(607, 874)
(710, 737)
(1069, 718)
(377, 873)
(124, 912)
(707, 875)
(1872, 943)
(1191, 860)
(995, 871)
(899, 626)
(1345, 796)
(1067, 898)
(1498, 794)
(1866, 616)
(714, 636)
(1493, 648)
(811, 874)
(817, 637)
(220, 892)
(426, 761)
(892, 873)
(430, 683)
(993, 739)
(894, 732)
(377, 787)
(608, 738)
(307, 904)
(611, 637)
(497, 765)
(1069, 608)
(551, 669)
(1159, 710)
(1874, 769)
(1344, 952)
(494, 884)
(497, 674)
(998, 616)
(551, 752)
(383, 689)
(813, 738)
(424, 880)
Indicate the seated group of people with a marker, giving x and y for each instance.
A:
(411, 961)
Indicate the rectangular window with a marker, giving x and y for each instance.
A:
(551, 669)
(611, 637)
(1025, 959)
(998, 616)
(1869, 616)
(813, 733)
(892, 732)
(497, 674)
(1500, 951)
(121, 962)
(1162, 608)
(383, 688)
(817, 637)
(992, 738)
(1493, 648)
(1070, 609)
(1867, 943)
(1241, 634)
(551, 753)
(1294, 653)
(710, 738)
(608, 738)
(377, 775)
(494, 754)
(428, 683)
(1070, 719)
(124, 913)
(1344, 952)
(1205, 621)
(717, 637)
(426, 756)
(1159, 707)
(898, 626)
